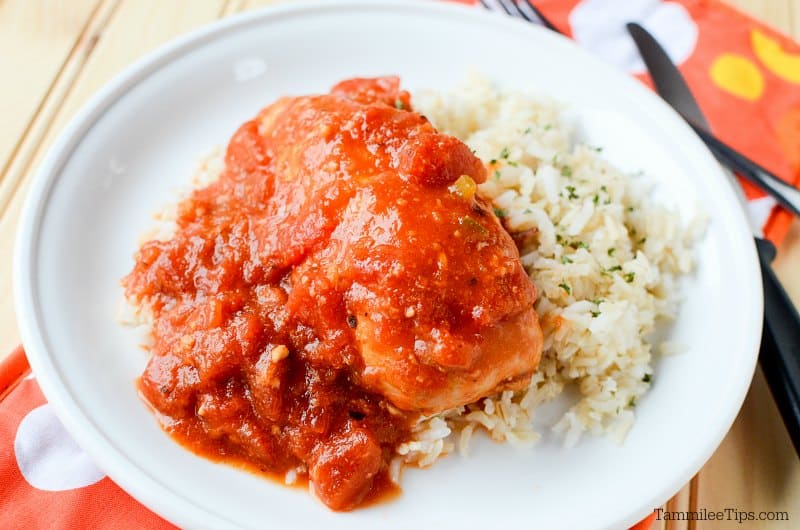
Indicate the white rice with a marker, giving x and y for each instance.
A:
(605, 259)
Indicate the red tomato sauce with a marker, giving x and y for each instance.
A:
(329, 288)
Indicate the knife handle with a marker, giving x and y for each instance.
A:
(780, 345)
(787, 195)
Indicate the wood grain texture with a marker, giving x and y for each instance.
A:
(776, 13)
(65, 51)
(47, 32)
(131, 29)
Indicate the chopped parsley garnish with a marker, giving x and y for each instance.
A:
(596, 198)
(565, 260)
(630, 276)
(572, 194)
(603, 188)
(595, 314)
(527, 131)
(398, 104)
(527, 210)
(497, 174)
(579, 244)
(566, 171)
(493, 161)
(548, 126)
(643, 241)
(632, 402)
(559, 238)
(500, 212)
(607, 272)
(630, 208)
(647, 378)
(611, 251)
(566, 287)
(504, 153)
(597, 301)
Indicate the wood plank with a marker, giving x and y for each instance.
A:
(240, 6)
(56, 93)
(795, 9)
(755, 468)
(135, 27)
(36, 37)
(776, 13)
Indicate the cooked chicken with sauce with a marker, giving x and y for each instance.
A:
(341, 279)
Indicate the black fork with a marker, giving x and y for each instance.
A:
(523, 9)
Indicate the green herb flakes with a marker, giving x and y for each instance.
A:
(572, 194)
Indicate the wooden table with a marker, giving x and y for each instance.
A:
(56, 54)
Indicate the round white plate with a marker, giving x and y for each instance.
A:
(139, 139)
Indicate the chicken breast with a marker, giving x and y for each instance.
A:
(439, 307)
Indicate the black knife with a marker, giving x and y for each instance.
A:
(780, 344)
(672, 87)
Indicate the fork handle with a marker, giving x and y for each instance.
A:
(787, 195)
(780, 345)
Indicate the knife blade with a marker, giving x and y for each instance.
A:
(671, 85)
(780, 348)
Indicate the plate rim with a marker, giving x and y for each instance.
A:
(146, 488)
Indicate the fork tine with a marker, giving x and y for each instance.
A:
(549, 25)
(485, 4)
(510, 7)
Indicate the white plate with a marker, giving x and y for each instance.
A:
(139, 139)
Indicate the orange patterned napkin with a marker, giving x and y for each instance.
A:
(746, 77)
(48, 481)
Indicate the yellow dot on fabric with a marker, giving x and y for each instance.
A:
(769, 51)
(737, 75)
